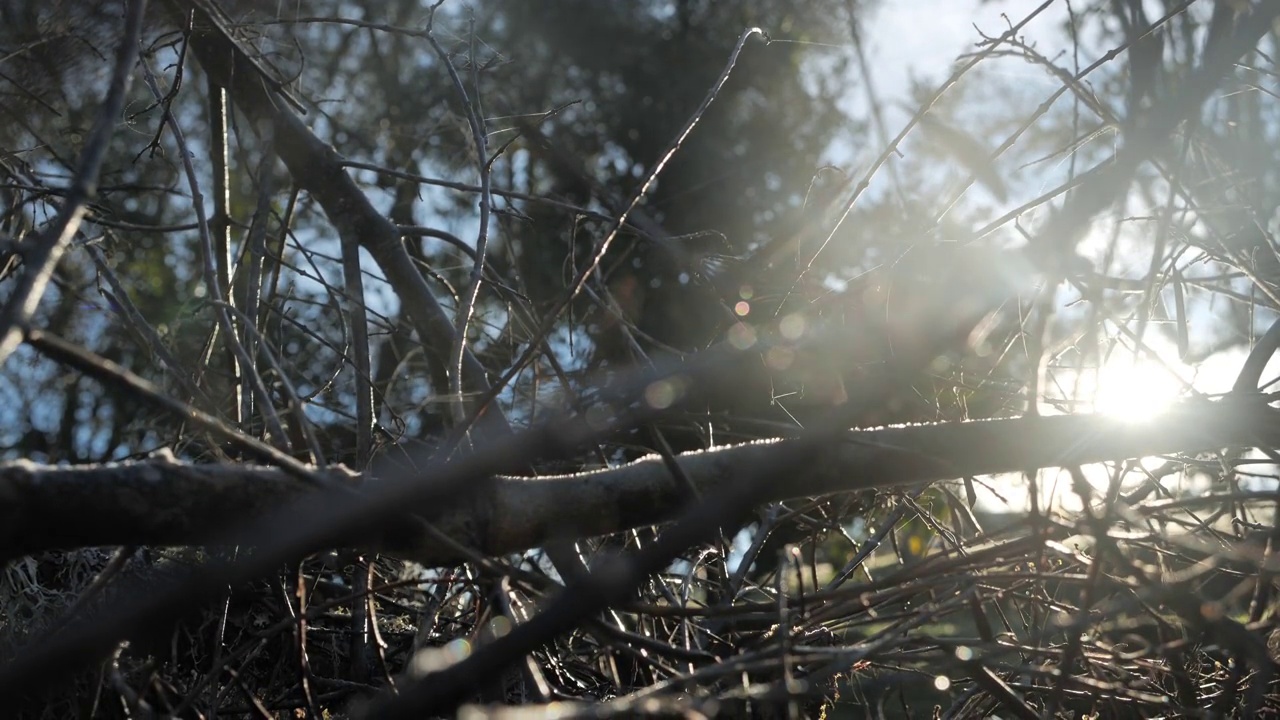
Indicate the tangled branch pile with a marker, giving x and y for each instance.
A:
(697, 420)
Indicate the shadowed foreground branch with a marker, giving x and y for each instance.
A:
(163, 502)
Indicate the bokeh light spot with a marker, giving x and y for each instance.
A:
(500, 626)
(792, 326)
(662, 394)
(742, 336)
(779, 357)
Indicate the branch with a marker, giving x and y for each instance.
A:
(41, 256)
(316, 167)
(163, 502)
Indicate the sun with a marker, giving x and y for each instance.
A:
(1130, 386)
(1137, 388)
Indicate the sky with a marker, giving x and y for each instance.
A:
(920, 39)
(925, 36)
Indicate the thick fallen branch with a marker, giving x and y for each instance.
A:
(164, 502)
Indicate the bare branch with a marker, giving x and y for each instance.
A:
(169, 503)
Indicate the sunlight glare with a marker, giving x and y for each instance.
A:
(1135, 389)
